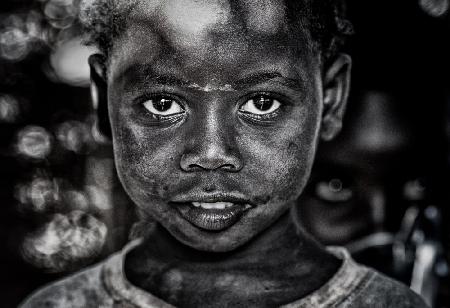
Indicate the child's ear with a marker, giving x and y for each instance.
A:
(336, 85)
(99, 92)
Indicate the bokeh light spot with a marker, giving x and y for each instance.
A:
(435, 8)
(9, 109)
(74, 136)
(70, 62)
(14, 44)
(65, 242)
(34, 142)
(61, 14)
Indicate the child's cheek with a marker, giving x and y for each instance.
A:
(146, 164)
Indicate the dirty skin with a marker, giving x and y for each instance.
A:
(215, 116)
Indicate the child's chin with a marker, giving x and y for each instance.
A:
(210, 241)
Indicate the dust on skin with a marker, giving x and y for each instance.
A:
(190, 20)
(150, 49)
(265, 16)
(185, 23)
(211, 25)
(212, 66)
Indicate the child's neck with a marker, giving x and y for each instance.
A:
(280, 265)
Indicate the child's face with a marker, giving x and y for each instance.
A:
(215, 117)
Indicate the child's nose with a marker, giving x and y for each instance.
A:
(211, 145)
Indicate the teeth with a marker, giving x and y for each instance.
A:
(213, 206)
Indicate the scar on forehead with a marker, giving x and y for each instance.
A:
(212, 88)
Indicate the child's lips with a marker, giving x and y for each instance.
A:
(212, 216)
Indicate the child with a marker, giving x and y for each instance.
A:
(215, 109)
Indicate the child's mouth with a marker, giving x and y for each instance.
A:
(212, 216)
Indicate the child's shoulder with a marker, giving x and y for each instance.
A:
(102, 285)
(91, 287)
(374, 289)
(357, 286)
(370, 288)
(382, 291)
(83, 289)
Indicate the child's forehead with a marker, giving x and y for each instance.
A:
(213, 27)
(196, 16)
(222, 37)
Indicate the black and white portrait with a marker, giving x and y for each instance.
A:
(225, 153)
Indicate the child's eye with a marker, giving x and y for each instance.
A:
(163, 106)
(333, 191)
(261, 105)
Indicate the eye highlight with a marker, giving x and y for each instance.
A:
(260, 105)
(163, 106)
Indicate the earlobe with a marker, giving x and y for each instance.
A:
(99, 91)
(336, 85)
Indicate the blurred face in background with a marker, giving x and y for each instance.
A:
(362, 181)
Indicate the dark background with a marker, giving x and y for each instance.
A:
(62, 207)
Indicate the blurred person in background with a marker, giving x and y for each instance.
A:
(376, 190)
(359, 173)
(373, 190)
(381, 188)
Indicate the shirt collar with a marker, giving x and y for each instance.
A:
(347, 279)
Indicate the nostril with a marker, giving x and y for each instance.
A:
(211, 161)
(193, 167)
(229, 167)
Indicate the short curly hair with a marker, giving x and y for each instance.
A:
(104, 20)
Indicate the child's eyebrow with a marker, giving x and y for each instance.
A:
(143, 73)
(138, 73)
(263, 77)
